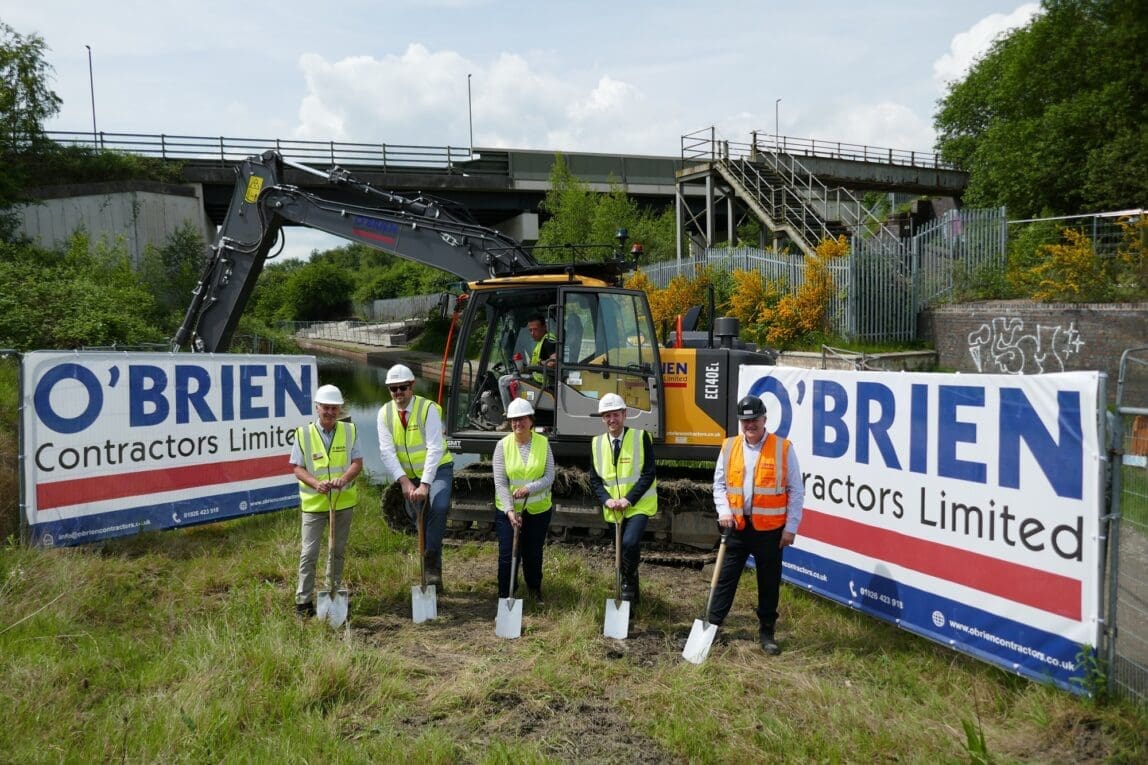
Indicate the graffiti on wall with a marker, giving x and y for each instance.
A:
(1002, 346)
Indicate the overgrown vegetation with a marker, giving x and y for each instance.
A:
(1050, 262)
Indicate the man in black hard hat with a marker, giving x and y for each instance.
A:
(759, 496)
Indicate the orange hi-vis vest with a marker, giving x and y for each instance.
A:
(769, 493)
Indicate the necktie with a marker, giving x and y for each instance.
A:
(617, 449)
(403, 418)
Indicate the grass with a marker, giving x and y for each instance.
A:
(181, 647)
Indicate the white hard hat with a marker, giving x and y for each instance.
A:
(328, 394)
(611, 402)
(519, 407)
(399, 373)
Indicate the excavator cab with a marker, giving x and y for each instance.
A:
(605, 343)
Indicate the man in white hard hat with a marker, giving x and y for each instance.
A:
(414, 453)
(759, 496)
(623, 478)
(327, 460)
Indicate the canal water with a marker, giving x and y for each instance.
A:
(364, 391)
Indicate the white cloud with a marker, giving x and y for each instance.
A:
(513, 102)
(968, 46)
(886, 124)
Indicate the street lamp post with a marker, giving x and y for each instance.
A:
(469, 115)
(776, 131)
(92, 88)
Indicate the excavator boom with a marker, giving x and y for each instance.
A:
(418, 229)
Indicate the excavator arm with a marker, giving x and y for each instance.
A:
(418, 229)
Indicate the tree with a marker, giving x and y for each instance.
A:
(1054, 118)
(170, 272)
(25, 100)
(590, 221)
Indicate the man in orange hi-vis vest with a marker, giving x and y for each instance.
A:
(759, 497)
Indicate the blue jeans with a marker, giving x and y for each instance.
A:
(438, 504)
(531, 541)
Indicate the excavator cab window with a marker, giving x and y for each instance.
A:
(608, 345)
(497, 375)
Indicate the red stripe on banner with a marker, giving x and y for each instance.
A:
(675, 384)
(121, 485)
(1050, 592)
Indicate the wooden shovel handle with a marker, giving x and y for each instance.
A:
(717, 573)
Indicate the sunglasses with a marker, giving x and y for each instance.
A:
(399, 388)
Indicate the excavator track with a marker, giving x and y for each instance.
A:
(683, 534)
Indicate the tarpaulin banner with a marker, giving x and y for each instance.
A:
(963, 508)
(118, 443)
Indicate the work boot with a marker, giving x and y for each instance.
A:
(536, 594)
(305, 610)
(768, 643)
(433, 564)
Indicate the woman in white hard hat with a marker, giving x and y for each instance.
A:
(523, 467)
(414, 453)
(327, 459)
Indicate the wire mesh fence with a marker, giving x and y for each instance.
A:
(1127, 620)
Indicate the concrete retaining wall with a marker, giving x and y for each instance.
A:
(134, 213)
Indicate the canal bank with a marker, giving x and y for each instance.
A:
(424, 365)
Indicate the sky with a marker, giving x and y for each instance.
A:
(614, 77)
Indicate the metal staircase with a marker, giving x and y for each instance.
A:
(781, 192)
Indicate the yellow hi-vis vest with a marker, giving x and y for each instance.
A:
(769, 493)
(520, 473)
(536, 357)
(327, 465)
(620, 478)
(410, 446)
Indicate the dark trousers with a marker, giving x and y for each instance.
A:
(767, 554)
(531, 540)
(632, 530)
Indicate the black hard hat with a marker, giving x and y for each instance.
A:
(750, 408)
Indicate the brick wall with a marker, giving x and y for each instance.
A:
(1023, 337)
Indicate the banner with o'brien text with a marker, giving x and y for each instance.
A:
(964, 508)
(117, 443)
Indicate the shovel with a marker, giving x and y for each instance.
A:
(331, 609)
(508, 623)
(702, 635)
(424, 601)
(617, 623)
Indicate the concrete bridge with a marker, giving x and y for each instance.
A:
(501, 188)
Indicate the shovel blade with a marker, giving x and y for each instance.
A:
(322, 604)
(508, 623)
(617, 622)
(337, 612)
(699, 642)
(424, 603)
